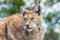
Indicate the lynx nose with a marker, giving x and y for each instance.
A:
(27, 26)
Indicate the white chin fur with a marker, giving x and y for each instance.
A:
(29, 30)
(33, 27)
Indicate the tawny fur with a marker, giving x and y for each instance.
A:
(12, 29)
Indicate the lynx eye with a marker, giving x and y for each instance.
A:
(32, 18)
(25, 18)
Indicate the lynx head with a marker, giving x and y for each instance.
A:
(32, 19)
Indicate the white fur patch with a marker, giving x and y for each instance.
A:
(33, 27)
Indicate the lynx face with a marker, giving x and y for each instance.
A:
(31, 21)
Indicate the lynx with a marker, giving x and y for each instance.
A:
(26, 26)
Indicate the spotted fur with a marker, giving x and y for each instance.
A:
(12, 28)
(4, 25)
(26, 26)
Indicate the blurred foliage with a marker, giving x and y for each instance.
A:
(14, 6)
(50, 33)
(36, 2)
(51, 2)
(49, 17)
(17, 3)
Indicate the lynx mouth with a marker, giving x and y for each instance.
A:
(29, 28)
(33, 29)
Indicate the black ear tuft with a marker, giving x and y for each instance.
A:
(39, 10)
(24, 13)
(39, 2)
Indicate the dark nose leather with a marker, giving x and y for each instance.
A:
(38, 28)
(27, 26)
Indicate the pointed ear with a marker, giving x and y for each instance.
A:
(37, 9)
(24, 10)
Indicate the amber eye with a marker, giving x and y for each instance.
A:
(32, 18)
(25, 18)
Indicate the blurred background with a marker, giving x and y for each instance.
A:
(50, 10)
